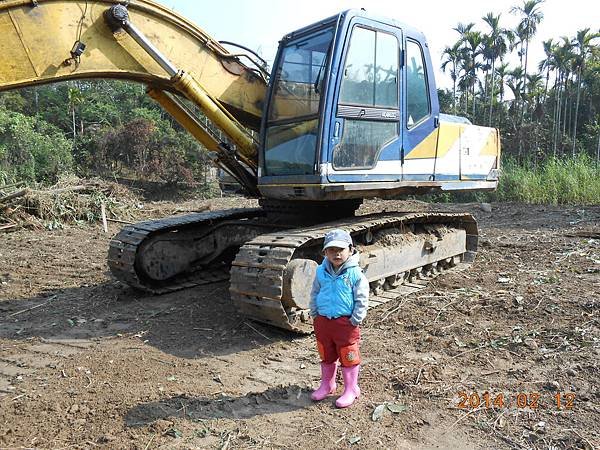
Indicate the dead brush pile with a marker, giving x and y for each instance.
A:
(71, 201)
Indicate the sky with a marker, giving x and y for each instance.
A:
(260, 24)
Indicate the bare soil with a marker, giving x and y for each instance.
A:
(86, 362)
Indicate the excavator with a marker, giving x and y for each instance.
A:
(348, 112)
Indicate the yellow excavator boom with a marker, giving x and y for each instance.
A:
(37, 38)
(45, 41)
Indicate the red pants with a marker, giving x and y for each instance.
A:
(337, 339)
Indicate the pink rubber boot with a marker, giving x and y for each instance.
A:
(327, 382)
(351, 389)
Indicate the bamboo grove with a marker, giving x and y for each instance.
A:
(545, 109)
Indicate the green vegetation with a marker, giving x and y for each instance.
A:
(550, 128)
(31, 149)
(94, 128)
(554, 111)
(554, 181)
(568, 181)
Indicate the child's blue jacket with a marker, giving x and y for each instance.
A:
(343, 294)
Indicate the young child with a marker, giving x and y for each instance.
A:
(338, 304)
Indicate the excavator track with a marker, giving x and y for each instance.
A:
(126, 249)
(272, 274)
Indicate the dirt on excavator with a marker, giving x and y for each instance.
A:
(87, 362)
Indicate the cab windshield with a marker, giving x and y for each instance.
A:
(292, 126)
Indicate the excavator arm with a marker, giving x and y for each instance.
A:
(45, 41)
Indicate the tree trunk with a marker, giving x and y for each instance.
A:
(473, 92)
(74, 123)
(454, 88)
(546, 86)
(17, 194)
(485, 90)
(524, 91)
(598, 149)
(492, 92)
(554, 120)
(565, 116)
(576, 111)
(558, 113)
(454, 96)
(525, 68)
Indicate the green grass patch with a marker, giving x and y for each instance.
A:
(567, 181)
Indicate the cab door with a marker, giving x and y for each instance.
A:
(365, 130)
(421, 123)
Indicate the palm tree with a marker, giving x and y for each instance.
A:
(487, 48)
(583, 44)
(546, 64)
(550, 64)
(514, 82)
(75, 98)
(473, 41)
(531, 16)
(496, 48)
(501, 73)
(561, 62)
(452, 55)
(463, 29)
(463, 62)
(535, 92)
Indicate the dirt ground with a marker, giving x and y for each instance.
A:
(86, 362)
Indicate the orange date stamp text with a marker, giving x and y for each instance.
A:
(520, 400)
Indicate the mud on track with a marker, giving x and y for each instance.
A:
(86, 362)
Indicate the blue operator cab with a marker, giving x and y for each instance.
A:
(352, 112)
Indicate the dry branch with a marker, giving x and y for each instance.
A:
(8, 226)
(33, 307)
(17, 194)
(65, 189)
(194, 210)
(584, 234)
(12, 185)
(25, 191)
(70, 200)
(103, 216)
(119, 221)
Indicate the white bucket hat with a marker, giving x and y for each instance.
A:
(337, 238)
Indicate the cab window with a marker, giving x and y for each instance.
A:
(361, 143)
(370, 75)
(417, 92)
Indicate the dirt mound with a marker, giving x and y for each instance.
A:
(72, 200)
